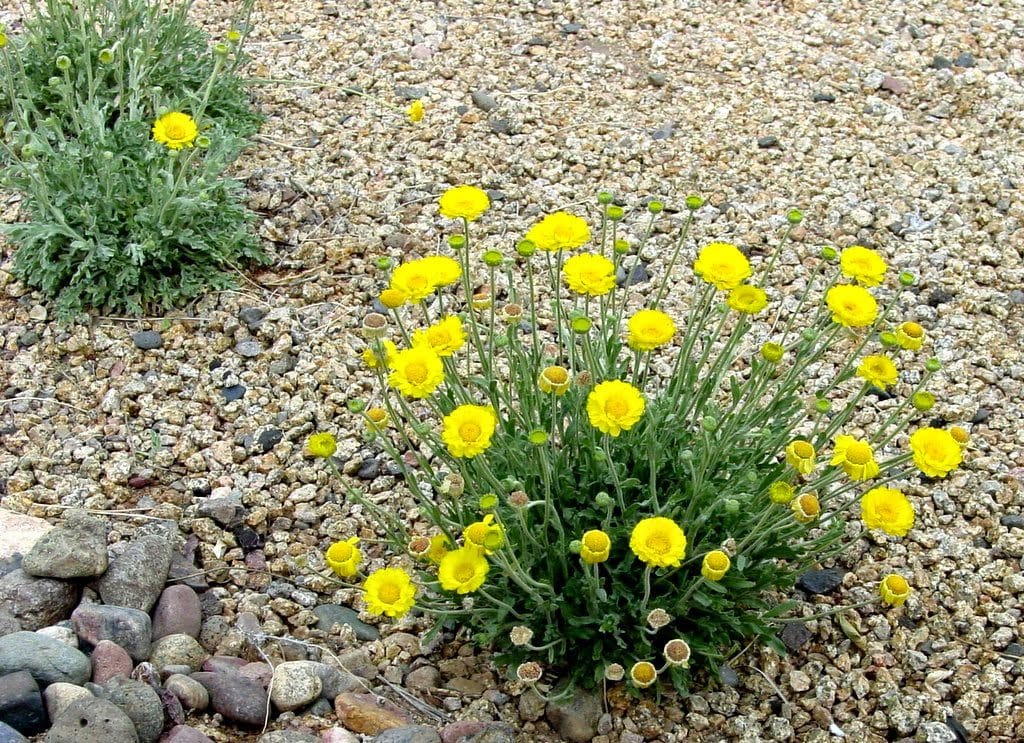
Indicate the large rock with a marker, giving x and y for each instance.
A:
(361, 713)
(19, 533)
(178, 650)
(177, 612)
(576, 718)
(295, 684)
(21, 704)
(136, 578)
(124, 626)
(10, 735)
(140, 702)
(48, 660)
(409, 734)
(76, 550)
(59, 696)
(188, 691)
(92, 721)
(108, 660)
(36, 602)
(235, 697)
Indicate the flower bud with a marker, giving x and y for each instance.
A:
(709, 423)
(392, 298)
(488, 502)
(829, 253)
(481, 300)
(538, 437)
(822, 405)
(106, 56)
(492, 258)
(907, 278)
(376, 419)
(658, 618)
(203, 142)
(794, 216)
(677, 653)
(584, 379)
(614, 672)
(518, 499)
(655, 207)
(3, 39)
(581, 325)
(615, 213)
(575, 546)
(772, 352)
(888, 339)
(375, 325)
(694, 202)
(686, 455)
(384, 263)
(809, 334)
(933, 365)
(526, 248)
(529, 672)
(554, 379)
(453, 485)
(511, 313)
(603, 500)
(731, 505)
(457, 242)
(520, 635)
(234, 36)
(622, 247)
(221, 49)
(355, 406)
(604, 198)
(63, 63)
(960, 435)
(923, 401)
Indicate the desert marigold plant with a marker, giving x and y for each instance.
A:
(631, 477)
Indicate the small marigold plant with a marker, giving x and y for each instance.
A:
(611, 486)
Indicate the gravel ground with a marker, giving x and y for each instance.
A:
(894, 125)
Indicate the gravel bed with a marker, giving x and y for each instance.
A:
(897, 126)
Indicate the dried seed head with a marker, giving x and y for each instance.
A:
(658, 618)
(520, 635)
(529, 672)
(677, 653)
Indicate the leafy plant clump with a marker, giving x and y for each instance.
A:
(120, 120)
(610, 487)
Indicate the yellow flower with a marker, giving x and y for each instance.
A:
(322, 444)
(887, 509)
(747, 299)
(175, 130)
(468, 429)
(852, 306)
(590, 274)
(781, 492)
(439, 546)
(643, 674)
(723, 265)
(910, 336)
(595, 546)
(715, 565)
(614, 407)
(960, 435)
(806, 508)
(414, 279)
(800, 456)
(772, 352)
(414, 112)
(855, 457)
(343, 557)
(936, 452)
(554, 379)
(878, 370)
(445, 270)
(894, 589)
(462, 570)
(416, 372)
(659, 542)
(463, 202)
(649, 329)
(393, 298)
(389, 591)
(444, 337)
(863, 265)
(484, 536)
(376, 419)
(372, 360)
(559, 231)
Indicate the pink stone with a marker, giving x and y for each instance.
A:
(177, 612)
(108, 660)
(184, 734)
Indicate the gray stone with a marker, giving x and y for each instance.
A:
(410, 92)
(423, 678)
(820, 581)
(334, 681)
(48, 660)
(484, 100)
(189, 692)
(61, 633)
(823, 98)
(10, 735)
(92, 721)
(136, 578)
(940, 63)
(409, 734)
(329, 615)
(964, 60)
(127, 627)
(576, 718)
(8, 622)
(77, 549)
(236, 697)
(234, 392)
(178, 650)
(140, 702)
(108, 660)
(227, 510)
(494, 733)
(295, 684)
(177, 612)
(1012, 521)
(184, 734)
(36, 602)
(767, 142)
(657, 79)
(249, 349)
(21, 704)
(58, 697)
(252, 317)
(148, 340)
(794, 635)
(531, 706)
(287, 736)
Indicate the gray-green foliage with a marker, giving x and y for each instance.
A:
(115, 219)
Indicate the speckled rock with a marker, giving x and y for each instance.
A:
(136, 578)
(92, 721)
(234, 696)
(140, 702)
(78, 549)
(36, 602)
(189, 692)
(177, 650)
(48, 660)
(177, 612)
(295, 684)
(361, 713)
(126, 627)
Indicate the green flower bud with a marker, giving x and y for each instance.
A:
(581, 325)
(599, 456)
(526, 248)
(53, 82)
(822, 405)
(202, 141)
(622, 246)
(488, 502)
(538, 437)
(655, 207)
(457, 242)
(809, 334)
(492, 258)
(709, 423)
(108, 155)
(731, 505)
(3, 39)
(355, 406)
(575, 546)
(384, 263)
(234, 36)
(694, 202)
(686, 455)
(794, 216)
(221, 49)
(829, 253)
(106, 56)
(772, 352)
(933, 365)
(923, 401)
(615, 213)
(603, 500)
(604, 198)
(907, 278)
(63, 63)
(888, 339)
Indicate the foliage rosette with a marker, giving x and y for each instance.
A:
(610, 481)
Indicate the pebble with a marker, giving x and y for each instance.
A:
(177, 612)
(248, 349)
(966, 59)
(423, 678)
(795, 635)
(232, 393)
(189, 692)
(1012, 521)
(140, 702)
(178, 650)
(21, 704)
(108, 660)
(59, 697)
(329, 615)
(10, 735)
(225, 508)
(287, 736)
(76, 550)
(148, 340)
(92, 721)
(136, 578)
(48, 660)
(409, 734)
(251, 317)
(484, 100)
(361, 713)
(295, 684)
(184, 734)
(819, 582)
(940, 63)
(823, 98)
(576, 719)
(657, 79)
(36, 602)
(129, 628)
(234, 696)
(799, 681)
(768, 142)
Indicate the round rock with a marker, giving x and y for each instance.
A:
(92, 721)
(177, 612)
(48, 660)
(178, 650)
(108, 660)
(58, 697)
(295, 684)
(36, 602)
(184, 734)
(129, 628)
(140, 702)
(236, 697)
(189, 692)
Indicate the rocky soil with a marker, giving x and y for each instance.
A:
(169, 450)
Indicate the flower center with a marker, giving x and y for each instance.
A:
(913, 330)
(885, 512)
(465, 572)
(469, 431)
(858, 453)
(439, 337)
(175, 131)
(416, 372)
(659, 544)
(389, 593)
(595, 542)
(717, 561)
(616, 407)
(341, 552)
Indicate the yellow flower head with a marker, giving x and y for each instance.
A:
(772, 352)
(852, 306)
(910, 336)
(462, 570)
(484, 536)
(468, 429)
(373, 360)
(887, 509)
(960, 435)
(614, 407)
(389, 591)
(463, 202)
(439, 546)
(444, 337)
(445, 270)
(376, 419)
(643, 674)
(393, 298)
(747, 299)
(649, 329)
(806, 508)
(715, 565)
(894, 589)
(856, 458)
(414, 279)
(723, 265)
(322, 444)
(659, 542)
(781, 492)
(416, 372)
(175, 130)
(554, 379)
(595, 546)
(936, 452)
(863, 265)
(589, 274)
(414, 112)
(343, 557)
(800, 456)
(878, 370)
(559, 231)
